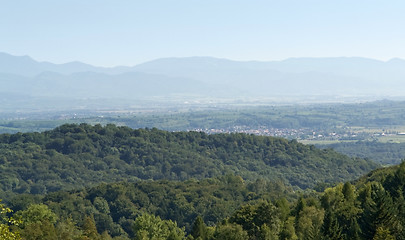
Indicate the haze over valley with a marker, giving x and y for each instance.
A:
(194, 79)
(202, 120)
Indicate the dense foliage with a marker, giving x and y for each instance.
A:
(73, 156)
(224, 208)
(5, 223)
(116, 206)
(185, 185)
(383, 153)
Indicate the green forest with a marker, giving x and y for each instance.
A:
(220, 208)
(81, 181)
(73, 156)
(382, 153)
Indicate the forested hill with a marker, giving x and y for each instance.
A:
(73, 156)
(115, 206)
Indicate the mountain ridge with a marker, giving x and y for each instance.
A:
(81, 66)
(194, 78)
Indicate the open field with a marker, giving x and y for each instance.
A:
(324, 142)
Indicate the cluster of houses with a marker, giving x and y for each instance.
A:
(300, 134)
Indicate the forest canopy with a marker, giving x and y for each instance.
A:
(73, 156)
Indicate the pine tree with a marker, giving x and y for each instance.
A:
(301, 204)
(348, 192)
(199, 229)
(400, 203)
(348, 213)
(330, 228)
(288, 230)
(378, 211)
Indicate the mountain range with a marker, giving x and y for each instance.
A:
(193, 77)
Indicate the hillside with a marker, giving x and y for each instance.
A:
(73, 156)
(372, 208)
(383, 153)
(115, 205)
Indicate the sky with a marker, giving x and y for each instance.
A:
(128, 32)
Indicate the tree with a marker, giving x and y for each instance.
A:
(284, 208)
(37, 222)
(199, 229)
(67, 230)
(36, 213)
(44, 230)
(348, 192)
(253, 217)
(288, 230)
(309, 223)
(229, 231)
(378, 211)
(342, 212)
(90, 230)
(330, 228)
(5, 222)
(150, 227)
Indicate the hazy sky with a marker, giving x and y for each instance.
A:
(128, 32)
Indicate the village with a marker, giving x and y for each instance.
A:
(309, 134)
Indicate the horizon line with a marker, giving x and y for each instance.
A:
(200, 56)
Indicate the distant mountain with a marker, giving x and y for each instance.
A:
(353, 66)
(28, 67)
(291, 76)
(204, 77)
(130, 85)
